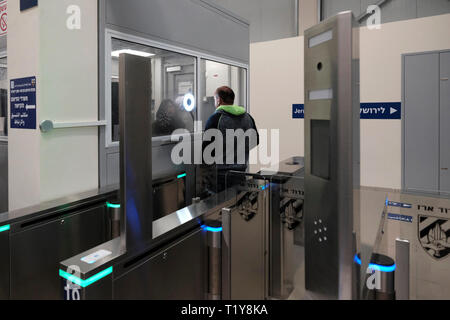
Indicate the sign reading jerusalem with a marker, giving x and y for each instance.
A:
(23, 103)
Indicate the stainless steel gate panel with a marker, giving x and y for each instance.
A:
(4, 263)
(245, 243)
(175, 272)
(286, 222)
(37, 249)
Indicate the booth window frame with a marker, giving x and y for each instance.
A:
(3, 55)
(197, 55)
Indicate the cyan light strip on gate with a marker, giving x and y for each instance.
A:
(212, 229)
(84, 283)
(112, 205)
(181, 175)
(5, 228)
(375, 266)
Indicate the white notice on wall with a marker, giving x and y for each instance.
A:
(185, 87)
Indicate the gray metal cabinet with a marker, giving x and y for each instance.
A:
(37, 249)
(445, 122)
(426, 125)
(421, 122)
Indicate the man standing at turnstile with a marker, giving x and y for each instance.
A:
(231, 122)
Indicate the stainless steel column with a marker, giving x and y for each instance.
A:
(136, 191)
(214, 239)
(113, 211)
(402, 272)
(332, 115)
(226, 253)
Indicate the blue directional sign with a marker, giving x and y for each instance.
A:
(27, 4)
(384, 110)
(399, 205)
(400, 217)
(23, 103)
(298, 111)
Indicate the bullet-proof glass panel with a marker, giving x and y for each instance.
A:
(320, 148)
(214, 75)
(174, 104)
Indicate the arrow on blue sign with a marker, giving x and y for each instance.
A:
(384, 110)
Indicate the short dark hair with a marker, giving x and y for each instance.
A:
(226, 94)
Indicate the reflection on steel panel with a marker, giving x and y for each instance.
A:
(135, 150)
(37, 250)
(168, 196)
(176, 272)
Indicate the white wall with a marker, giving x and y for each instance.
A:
(381, 81)
(45, 166)
(277, 82)
(23, 145)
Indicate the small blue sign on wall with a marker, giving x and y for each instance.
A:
(384, 110)
(400, 217)
(27, 4)
(298, 111)
(23, 103)
(399, 205)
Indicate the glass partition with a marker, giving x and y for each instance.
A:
(215, 75)
(173, 88)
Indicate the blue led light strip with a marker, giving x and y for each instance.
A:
(5, 228)
(87, 282)
(182, 175)
(377, 267)
(211, 229)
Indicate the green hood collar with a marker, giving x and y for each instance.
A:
(234, 110)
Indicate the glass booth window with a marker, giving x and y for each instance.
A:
(3, 96)
(215, 75)
(173, 88)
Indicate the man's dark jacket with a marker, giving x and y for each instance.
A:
(234, 118)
